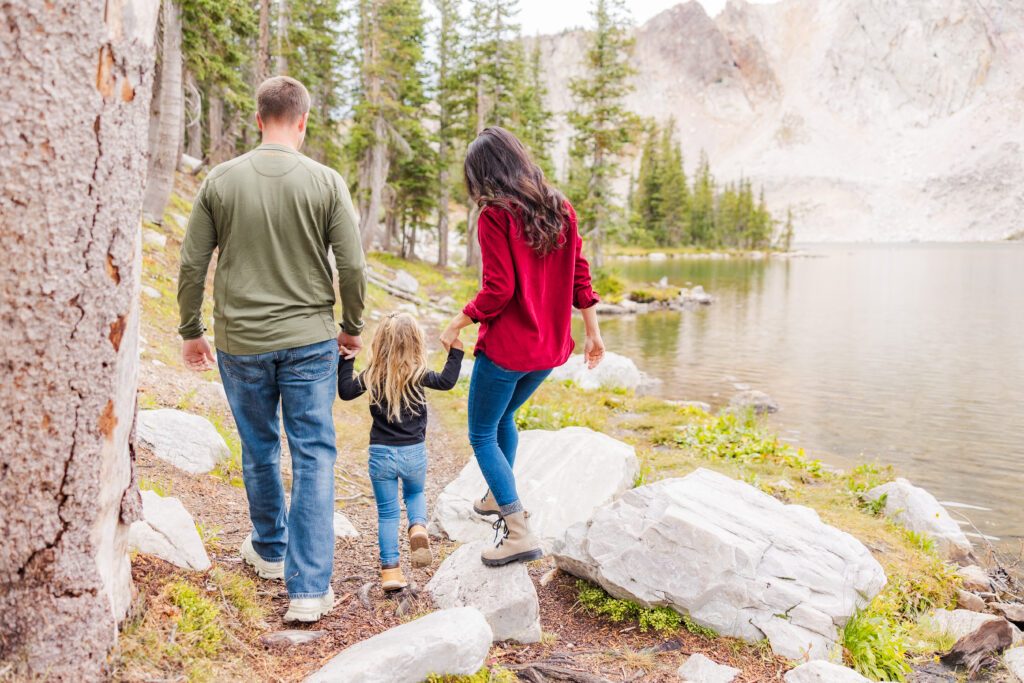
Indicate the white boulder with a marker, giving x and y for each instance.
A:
(153, 238)
(450, 642)
(919, 511)
(406, 282)
(151, 292)
(168, 531)
(732, 557)
(699, 669)
(614, 372)
(1013, 659)
(752, 399)
(189, 442)
(343, 528)
(504, 595)
(190, 163)
(960, 622)
(820, 671)
(562, 477)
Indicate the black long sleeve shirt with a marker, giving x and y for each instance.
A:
(411, 428)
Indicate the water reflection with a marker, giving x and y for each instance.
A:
(910, 354)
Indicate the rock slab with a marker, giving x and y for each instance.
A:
(699, 669)
(189, 442)
(961, 622)
(504, 595)
(820, 671)
(1014, 661)
(562, 477)
(732, 557)
(451, 642)
(168, 531)
(919, 511)
(614, 372)
(291, 637)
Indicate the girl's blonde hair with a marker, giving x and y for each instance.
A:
(398, 361)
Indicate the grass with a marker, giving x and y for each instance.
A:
(494, 673)
(873, 645)
(160, 486)
(594, 600)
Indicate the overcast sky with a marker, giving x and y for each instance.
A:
(551, 16)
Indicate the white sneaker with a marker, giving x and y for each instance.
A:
(266, 570)
(309, 609)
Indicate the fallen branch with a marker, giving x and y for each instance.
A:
(541, 670)
(385, 284)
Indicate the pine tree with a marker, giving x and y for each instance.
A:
(603, 126)
(645, 211)
(449, 87)
(702, 207)
(673, 194)
(531, 120)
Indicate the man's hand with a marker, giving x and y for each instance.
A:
(593, 350)
(197, 354)
(349, 345)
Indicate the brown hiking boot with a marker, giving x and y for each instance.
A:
(419, 543)
(487, 506)
(515, 543)
(391, 578)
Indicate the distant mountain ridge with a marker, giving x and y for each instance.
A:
(875, 120)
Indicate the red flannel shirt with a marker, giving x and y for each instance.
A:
(525, 304)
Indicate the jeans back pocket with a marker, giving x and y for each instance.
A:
(247, 369)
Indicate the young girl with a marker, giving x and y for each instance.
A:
(395, 377)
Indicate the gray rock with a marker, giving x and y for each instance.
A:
(562, 477)
(406, 282)
(699, 669)
(732, 557)
(151, 292)
(408, 307)
(189, 442)
(614, 372)
(504, 595)
(919, 511)
(168, 531)
(291, 637)
(343, 528)
(1009, 611)
(179, 220)
(451, 642)
(1014, 661)
(974, 578)
(969, 601)
(821, 671)
(447, 302)
(758, 401)
(190, 163)
(152, 238)
(961, 622)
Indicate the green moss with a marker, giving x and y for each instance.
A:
(197, 627)
(594, 600)
(489, 674)
(162, 487)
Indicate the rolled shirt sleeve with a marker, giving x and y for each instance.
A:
(583, 294)
(499, 277)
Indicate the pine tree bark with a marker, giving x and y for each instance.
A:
(281, 61)
(263, 49)
(193, 117)
(442, 210)
(74, 130)
(163, 154)
(215, 116)
(373, 167)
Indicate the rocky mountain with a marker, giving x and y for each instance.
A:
(875, 120)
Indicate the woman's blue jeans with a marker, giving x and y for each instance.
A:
(388, 464)
(301, 381)
(495, 394)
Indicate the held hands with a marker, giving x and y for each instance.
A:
(593, 350)
(349, 345)
(450, 338)
(457, 344)
(197, 354)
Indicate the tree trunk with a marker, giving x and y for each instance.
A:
(263, 46)
(193, 117)
(281, 63)
(216, 130)
(163, 156)
(472, 244)
(74, 129)
(373, 167)
(442, 212)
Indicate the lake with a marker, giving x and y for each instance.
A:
(909, 354)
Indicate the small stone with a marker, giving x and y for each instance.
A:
(821, 671)
(151, 292)
(1010, 611)
(157, 363)
(178, 219)
(291, 637)
(168, 531)
(758, 401)
(447, 302)
(970, 601)
(504, 595)
(549, 576)
(700, 669)
(974, 578)
(919, 511)
(973, 650)
(450, 642)
(152, 238)
(781, 485)
(343, 528)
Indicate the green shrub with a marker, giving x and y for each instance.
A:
(873, 645)
(607, 283)
(594, 600)
(198, 627)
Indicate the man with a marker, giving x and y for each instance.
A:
(273, 213)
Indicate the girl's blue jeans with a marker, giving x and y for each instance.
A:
(388, 465)
(495, 394)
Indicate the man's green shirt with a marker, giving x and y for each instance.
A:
(272, 213)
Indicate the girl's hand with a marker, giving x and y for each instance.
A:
(593, 350)
(450, 337)
(457, 344)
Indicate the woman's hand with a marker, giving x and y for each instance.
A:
(593, 350)
(451, 333)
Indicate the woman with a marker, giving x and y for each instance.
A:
(534, 273)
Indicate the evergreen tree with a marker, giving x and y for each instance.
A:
(603, 126)
(530, 120)
(702, 206)
(672, 194)
(449, 90)
(645, 220)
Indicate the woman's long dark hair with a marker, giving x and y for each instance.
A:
(499, 172)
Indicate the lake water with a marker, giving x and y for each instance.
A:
(910, 354)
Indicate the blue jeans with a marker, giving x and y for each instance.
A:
(495, 395)
(388, 464)
(302, 381)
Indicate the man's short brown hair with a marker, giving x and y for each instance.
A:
(281, 98)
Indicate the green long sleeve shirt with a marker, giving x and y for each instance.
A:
(272, 213)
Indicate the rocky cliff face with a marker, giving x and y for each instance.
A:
(873, 119)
